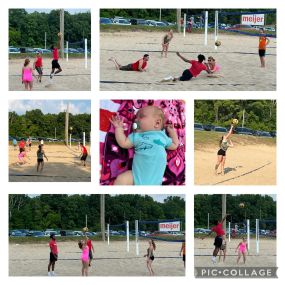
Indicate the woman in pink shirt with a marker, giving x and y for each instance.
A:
(84, 257)
(197, 66)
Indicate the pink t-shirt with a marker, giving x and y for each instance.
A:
(218, 229)
(196, 67)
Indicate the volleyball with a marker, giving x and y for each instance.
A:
(85, 229)
(59, 34)
(218, 43)
(241, 205)
(235, 121)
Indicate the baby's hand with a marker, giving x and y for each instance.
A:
(170, 127)
(117, 122)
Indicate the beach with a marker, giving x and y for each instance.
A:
(63, 165)
(74, 76)
(113, 260)
(237, 57)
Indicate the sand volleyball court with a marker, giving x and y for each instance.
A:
(63, 165)
(32, 259)
(74, 76)
(237, 56)
(265, 258)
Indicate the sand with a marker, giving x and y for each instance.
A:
(237, 56)
(245, 165)
(63, 165)
(266, 258)
(74, 76)
(112, 260)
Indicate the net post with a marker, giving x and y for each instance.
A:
(66, 50)
(206, 29)
(128, 236)
(184, 25)
(216, 26)
(85, 43)
(137, 236)
(229, 231)
(248, 233)
(257, 236)
(108, 234)
(84, 138)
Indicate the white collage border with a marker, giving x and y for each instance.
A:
(95, 95)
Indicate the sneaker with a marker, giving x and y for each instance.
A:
(53, 273)
(49, 274)
(51, 75)
(214, 259)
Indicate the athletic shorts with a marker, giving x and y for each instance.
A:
(218, 241)
(22, 149)
(186, 75)
(152, 258)
(184, 257)
(90, 254)
(52, 257)
(83, 157)
(39, 70)
(40, 160)
(128, 67)
(261, 52)
(55, 64)
(221, 152)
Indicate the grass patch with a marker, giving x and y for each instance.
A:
(204, 139)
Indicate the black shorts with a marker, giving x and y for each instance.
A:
(52, 257)
(40, 160)
(55, 64)
(21, 150)
(128, 67)
(221, 152)
(261, 52)
(184, 257)
(39, 70)
(186, 75)
(218, 241)
(83, 157)
(90, 254)
(151, 258)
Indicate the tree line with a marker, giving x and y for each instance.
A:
(68, 212)
(36, 124)
(170, 14)
(258, 114)
(255, 207)
(28, 29)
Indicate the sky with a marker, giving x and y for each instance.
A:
(71, 11)
(50, 106)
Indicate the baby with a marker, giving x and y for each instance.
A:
(149, 140)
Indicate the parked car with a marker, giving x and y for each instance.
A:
(27, 50)
(105, 21)
(198, 127)
(243, 131)
(141, 22)
(37, 234)
(265, 134)
(220, 129)
(121, 21)
(273, 134)
(208, 127)
(14, 50)
(16, 233)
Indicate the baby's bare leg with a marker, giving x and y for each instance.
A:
(125, 178)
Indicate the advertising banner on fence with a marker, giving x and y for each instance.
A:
(253, 19)
(169, 226)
